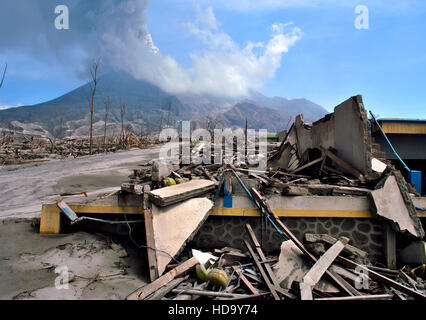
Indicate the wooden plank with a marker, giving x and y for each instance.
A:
(365, 297)
(337, 279)
(266, 265)
(251, 297)
(210, 293)
(160, 293)
(256, 243)
(208, 174)
(147, 290)
(324, 262)
(248, 284)
(308, 165)
(377, 276)
(343, 164)
(268, 268)
(262, 271)
(305, 291)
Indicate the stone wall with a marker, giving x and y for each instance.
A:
(218, 232)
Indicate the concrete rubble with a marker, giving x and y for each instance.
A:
(333, 160)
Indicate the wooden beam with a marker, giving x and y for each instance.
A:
(324, 262)
(160, 293)
(248, 284)
(377, 276)
(262, 271)
(305, 291)
(343, 164)
(365, 297)
(208, 174)
(263, 258)
(147, 290)
(308, 165)
(337, 279)
(210, 293)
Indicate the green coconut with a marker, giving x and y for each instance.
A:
(169, 182)
(218, 277)
(201, 273)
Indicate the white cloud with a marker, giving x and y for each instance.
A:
(225, 68)
(117, 32)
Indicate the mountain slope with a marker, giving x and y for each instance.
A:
(311, 111)
(258, 117)
(147, 107)
(144, 102)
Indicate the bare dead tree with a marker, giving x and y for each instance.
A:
(161, 121)
(123, 112)
(4, 75)
(60, 129)
(93, 86)
(106, 121)
(168, 116)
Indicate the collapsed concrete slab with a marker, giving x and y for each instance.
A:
(292, 267)
(177, 193)
(392, 202)
(172, 227)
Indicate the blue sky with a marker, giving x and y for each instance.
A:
(330, 61)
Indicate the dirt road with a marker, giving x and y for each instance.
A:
(24, 187)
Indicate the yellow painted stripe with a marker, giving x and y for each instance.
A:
(421, 214)
(106, 209)
(402, 128)
(246, 212)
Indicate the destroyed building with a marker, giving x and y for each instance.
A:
(329, 203)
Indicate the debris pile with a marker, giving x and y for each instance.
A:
(333, 159)
(25, 150)
(325, 272)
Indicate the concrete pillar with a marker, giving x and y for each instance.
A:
(389, 245)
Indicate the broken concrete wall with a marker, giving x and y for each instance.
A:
(217, 232)
(347, 130)
(323, 132)
(352, 135)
